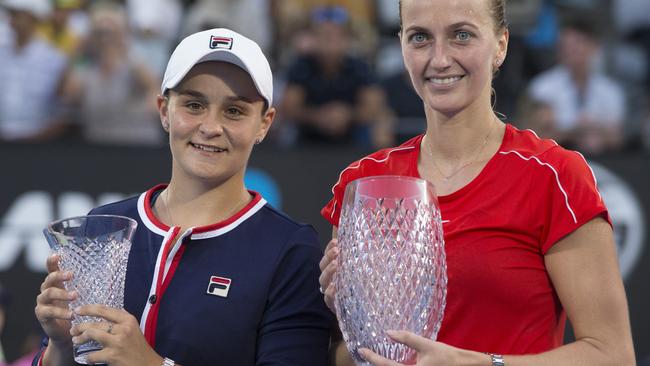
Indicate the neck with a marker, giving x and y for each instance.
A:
(456, 137)
(580, 77)
(331, 65)
(200, 204)
(23, 39)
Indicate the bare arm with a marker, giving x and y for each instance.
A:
(584, 271)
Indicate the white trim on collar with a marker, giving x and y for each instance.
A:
(145, 219)
(203, 235)
(214, 233)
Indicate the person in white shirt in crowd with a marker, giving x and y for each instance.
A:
(575, 102)
(106, 89)
(31, 74)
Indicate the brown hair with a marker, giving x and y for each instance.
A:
(497, 11)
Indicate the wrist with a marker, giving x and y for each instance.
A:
(496, 359)
(472, 358)
(56, 353)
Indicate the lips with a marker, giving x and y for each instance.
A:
(208, 148)
(444, 80)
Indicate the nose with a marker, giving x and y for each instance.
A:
(440, 55)
(211, 126)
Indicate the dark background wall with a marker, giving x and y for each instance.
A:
(42, 183)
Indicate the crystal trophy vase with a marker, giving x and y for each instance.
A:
(95, 249)
(391, 266)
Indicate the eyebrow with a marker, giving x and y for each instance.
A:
(192, 93)
(199, 95)
(238, 98)
(418, 28)
(461, 24)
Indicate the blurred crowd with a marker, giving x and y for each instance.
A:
(88, 71)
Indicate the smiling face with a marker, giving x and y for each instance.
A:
(451, 49)
(214, 116)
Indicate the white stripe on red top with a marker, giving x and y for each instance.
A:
(358, 164)
(557, 178)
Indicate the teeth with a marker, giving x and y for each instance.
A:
(208, 148)
(444, 81)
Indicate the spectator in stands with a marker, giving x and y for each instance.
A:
(251, 17)
(31, 74)
(575, 103)
(155, 27)
(516, 71)
(331, 95)
(58, 30)
(292, 17)
(107, 90)
(632, 20)
(404, 106)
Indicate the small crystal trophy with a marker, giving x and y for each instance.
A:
(95, 249)
(392, 269)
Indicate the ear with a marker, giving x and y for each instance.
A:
(265, 126)
(502, 48)
(163, 110)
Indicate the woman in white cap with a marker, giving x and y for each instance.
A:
(215, 275)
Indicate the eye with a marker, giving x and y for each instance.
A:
(418, 37)
(233, 112)
(464, 36)
(194, 106)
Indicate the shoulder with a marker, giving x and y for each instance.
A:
(386, 161)
(606, 85)
(284, 230)
(557, 73)
(526, 146)
(549, 79)
(126, 207)
(525, 142)
(43, 48)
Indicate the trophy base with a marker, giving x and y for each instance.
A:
(82, 351)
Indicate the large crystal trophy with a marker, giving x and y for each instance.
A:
(95, 249)
(391, 265)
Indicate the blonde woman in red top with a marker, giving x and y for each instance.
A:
(528, 238)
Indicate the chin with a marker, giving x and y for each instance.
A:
(446, 107)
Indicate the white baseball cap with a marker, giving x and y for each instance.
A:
(220, 44)
(39, 8)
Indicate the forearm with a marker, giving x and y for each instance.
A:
(57, 355)
(583, 352)
(341, 357)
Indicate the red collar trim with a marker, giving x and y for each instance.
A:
(155, 225)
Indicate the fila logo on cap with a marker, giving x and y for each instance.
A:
(219, 286)
(220, 42)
